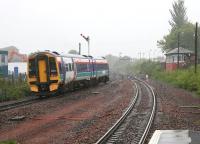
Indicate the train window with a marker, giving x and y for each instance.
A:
(70, 67)
(3, 59)
(32, 66)
(52, 66)
(81, 67)
(67, 68)
(101, 67)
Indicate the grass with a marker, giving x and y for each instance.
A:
(183, 78)
(9, 142)
(13, 89)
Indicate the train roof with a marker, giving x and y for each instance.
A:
(76, 56)
(68, 55)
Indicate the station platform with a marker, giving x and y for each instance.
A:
(175, 137)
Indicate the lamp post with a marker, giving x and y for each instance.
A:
(88, 41)
(79, 47)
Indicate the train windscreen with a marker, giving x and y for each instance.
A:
(52, 66)
(32, 68)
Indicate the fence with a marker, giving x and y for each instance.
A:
(13, 87)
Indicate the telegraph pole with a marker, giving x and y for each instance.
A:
(196, 40)
(178, 48)
(79, 46)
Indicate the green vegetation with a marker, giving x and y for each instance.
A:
(72, 51)
(12, 89)
(186, 79)
(9, 142)
(183, 78)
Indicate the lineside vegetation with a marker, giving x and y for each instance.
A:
(183, 78)
(9, 142)
(13, 89)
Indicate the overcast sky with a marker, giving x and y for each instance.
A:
(114, 26)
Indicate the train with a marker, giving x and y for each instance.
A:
(50, 72)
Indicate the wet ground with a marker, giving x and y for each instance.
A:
(79, 117)
(176, 108)
(85, 115)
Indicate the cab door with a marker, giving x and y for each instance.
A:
(42, 70)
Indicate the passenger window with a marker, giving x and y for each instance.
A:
(67, 69)
(70, 68)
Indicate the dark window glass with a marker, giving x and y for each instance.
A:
(52, 66)
(82, 67)
(100, 67)
(67, 69)
(70, 67)
(3, 59)
(32, 68)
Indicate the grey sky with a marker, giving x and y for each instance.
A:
(127, 26)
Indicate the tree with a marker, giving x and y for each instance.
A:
(186, 40)
(178, 13)
(180, 25)
(72, 51)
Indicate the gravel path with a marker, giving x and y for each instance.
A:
(176, 108)
(79, 117)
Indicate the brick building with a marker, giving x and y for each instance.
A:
(186, 58)
(14, 55)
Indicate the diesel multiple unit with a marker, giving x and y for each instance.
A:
(50, 72)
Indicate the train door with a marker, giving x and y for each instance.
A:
(69, 69)
(90, 69)
(42, 70)
(94, 68)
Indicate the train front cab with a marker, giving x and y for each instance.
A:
(102, 70)
(43, 73)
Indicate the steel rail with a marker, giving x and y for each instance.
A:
(107, 135)
(18, 104)
(143, 138)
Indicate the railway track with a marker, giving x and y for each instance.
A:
(18, 104)
(133, 126)
(30, 101)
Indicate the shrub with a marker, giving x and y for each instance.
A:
(12, 90)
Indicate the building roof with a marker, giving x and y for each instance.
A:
(3, 52)
(181, 51)
(9, 48)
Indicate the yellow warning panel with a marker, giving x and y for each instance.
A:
(42, 70)
(53, 87)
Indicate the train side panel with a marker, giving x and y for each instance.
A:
(102, 70)
(83, 69)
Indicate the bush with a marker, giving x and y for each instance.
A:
(183, 78)
(12, 90)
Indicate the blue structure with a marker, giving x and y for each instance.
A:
(3, 63)
(16, 71)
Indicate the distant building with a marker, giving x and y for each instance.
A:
(3, 63)
(186, 58)
(14, 55)
(20, 66)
